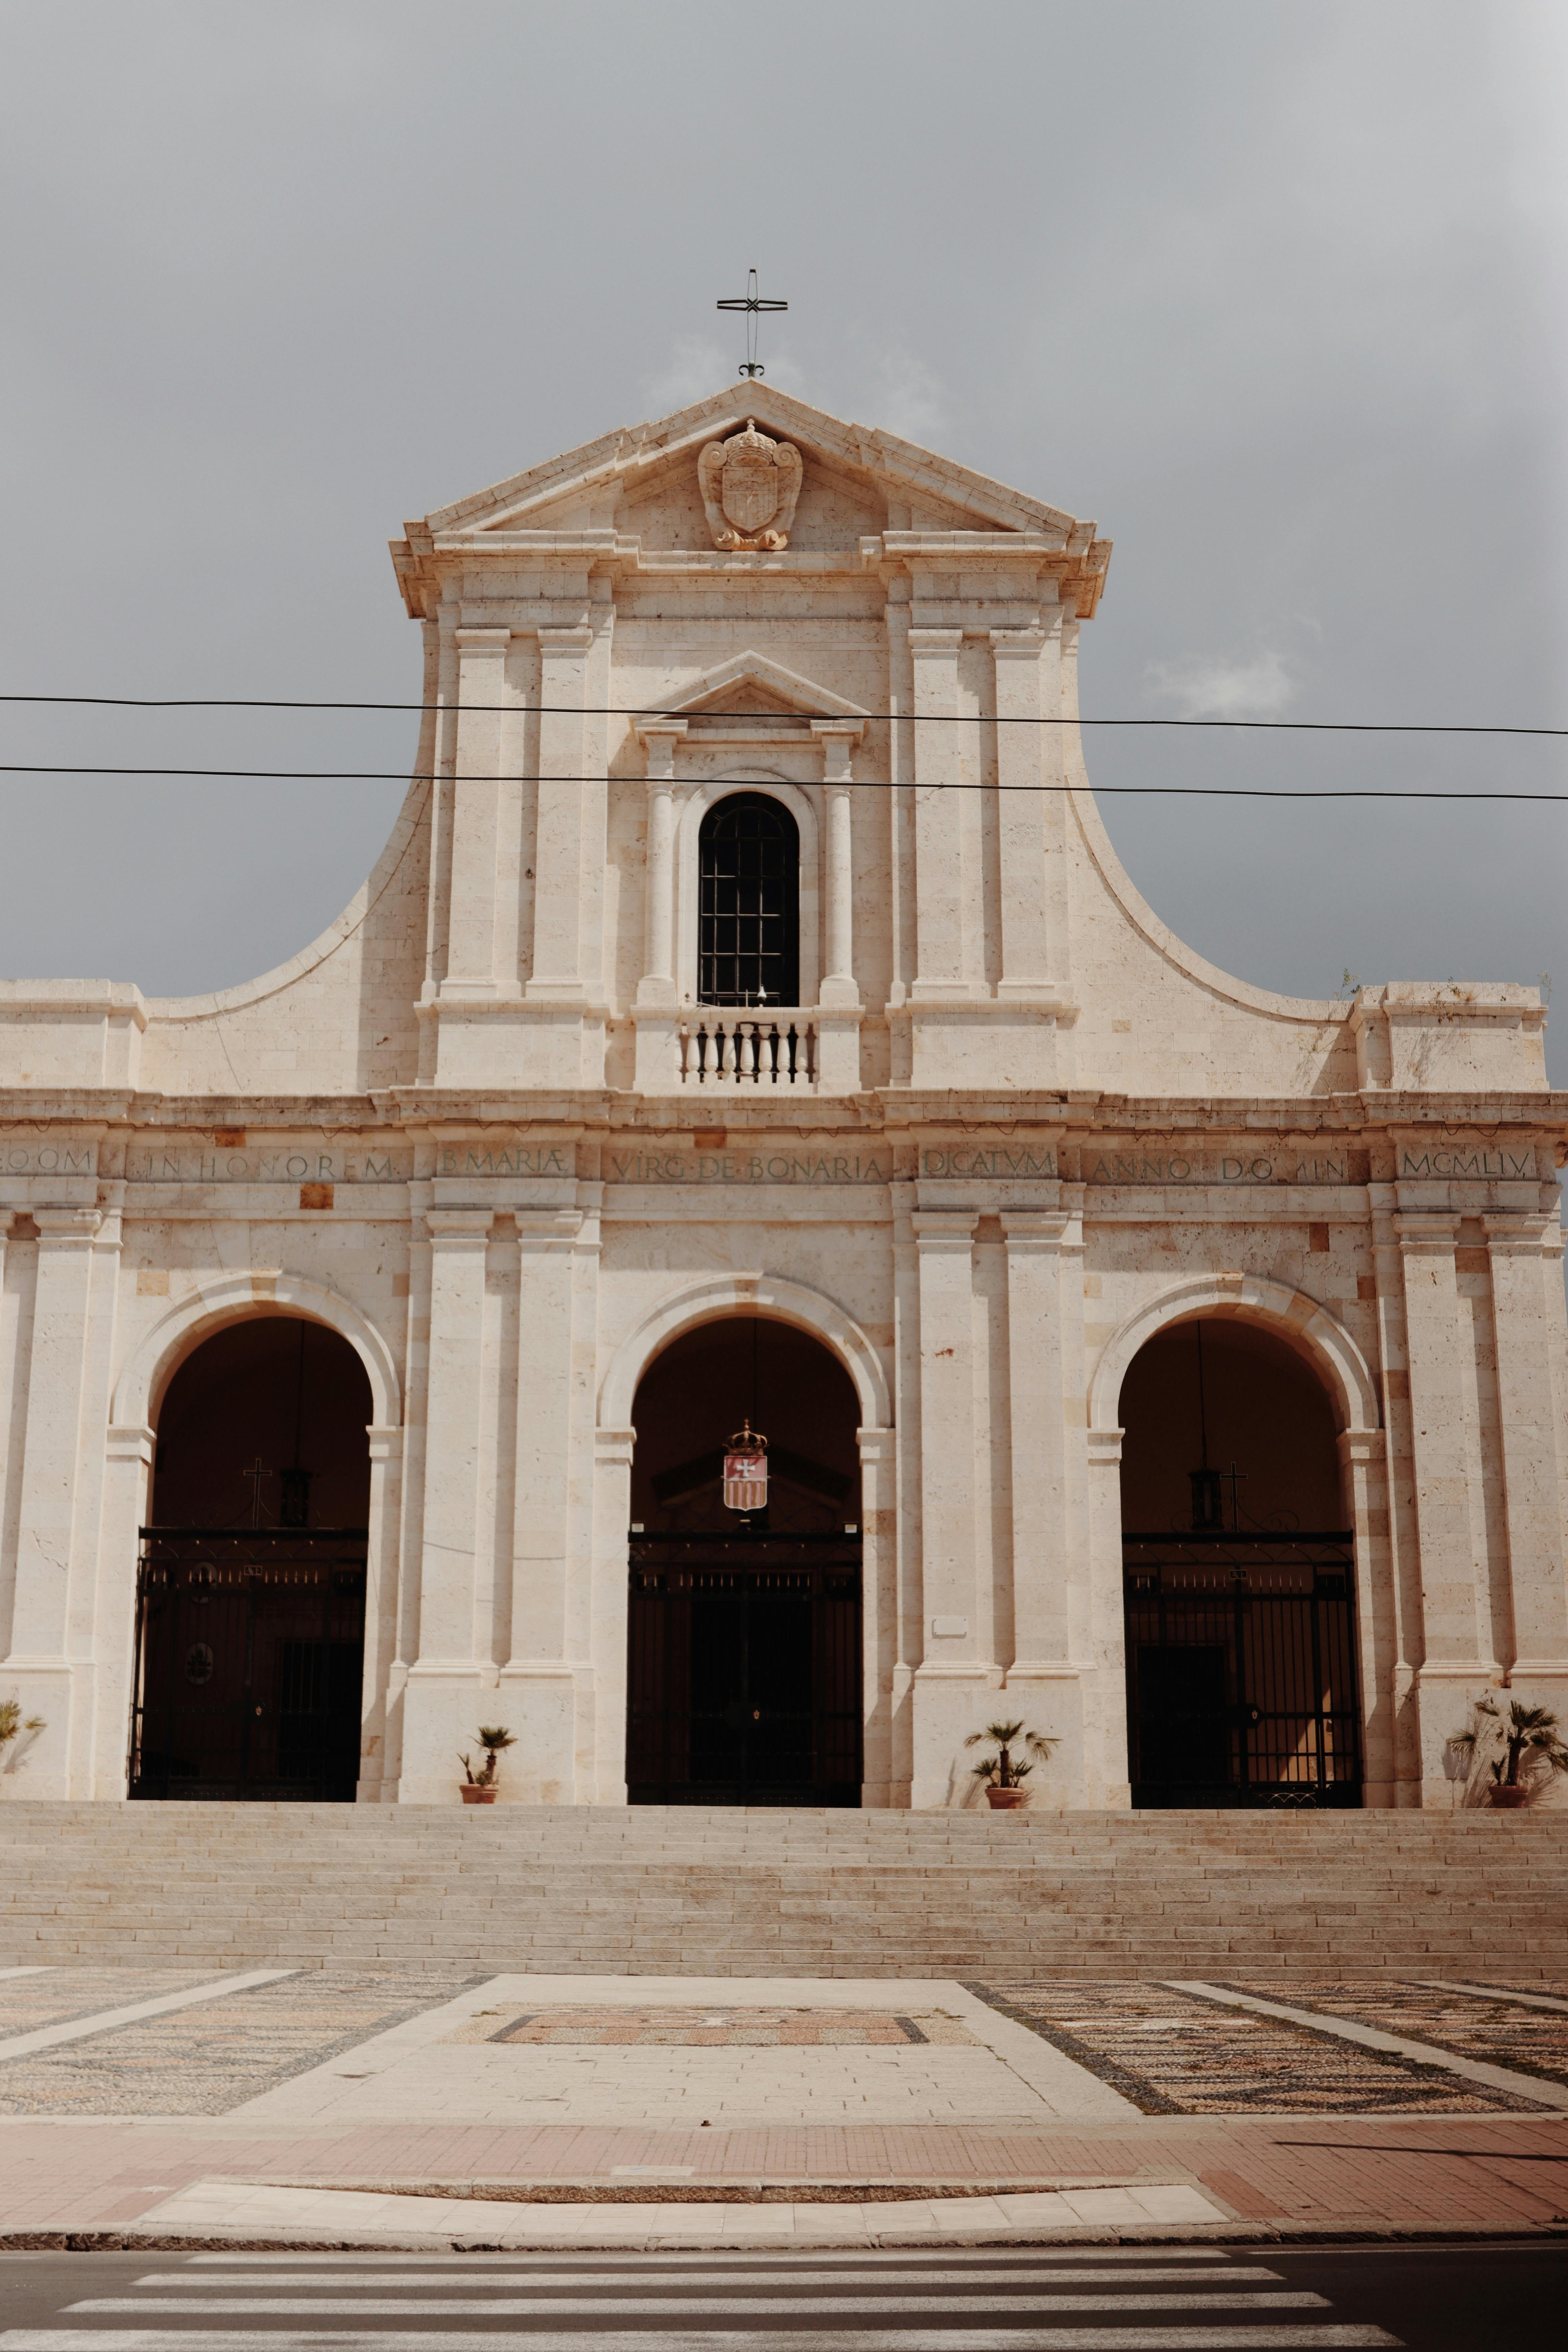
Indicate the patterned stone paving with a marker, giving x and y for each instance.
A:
(710, 2029)
(1173, 2054)
(57, 1996)
(1500, 2032)
(207, 2060)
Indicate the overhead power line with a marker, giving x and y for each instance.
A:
(785, 717)
(859, 783)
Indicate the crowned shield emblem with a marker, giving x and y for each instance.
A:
(750, 485)
(746, 1471)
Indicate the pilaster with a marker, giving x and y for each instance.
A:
(1106, 1780)
(445, 1677)
(953, 1673)
(537, 1681)
(39, 1666)
(612, 1522)
(880, 1611)
(471, 975)
(1456, 1638)
(560, 839)
(1525, 1256)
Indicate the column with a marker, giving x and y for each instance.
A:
(376, 1773)
(952, 1675)
(1038, 1435)
(612, 1520)
(1105, 1769)
(1455, 1654)
(938, 831)
(1020, 773)
(537, 1681)
(1526, 1263)
(444, 1682)
(658, 983)
(39, 1668)
(838, 997)
(53, 1442)
(471, 918)
(656, 1014)
(908, 1532)
(558, 845)
(1363, 1477)
(838, 739)
(879, 1609)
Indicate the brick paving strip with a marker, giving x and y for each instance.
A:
(1298, 2175)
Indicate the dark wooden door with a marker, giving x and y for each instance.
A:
(744, 1672)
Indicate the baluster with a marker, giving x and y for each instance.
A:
(810, 1054)
(771, 1053)
(746, 1056)
(701, 1053)
(723, 1050)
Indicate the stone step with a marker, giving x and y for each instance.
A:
(691, 1891)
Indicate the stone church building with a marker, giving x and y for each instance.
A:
(749, 1026)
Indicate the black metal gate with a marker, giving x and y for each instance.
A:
(743, 1684)
(250, 1660)
(1241, 1669)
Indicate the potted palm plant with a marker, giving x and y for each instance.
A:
(12, 1723)
(1004, 1773)
(1519, 1732)
(480, 1787)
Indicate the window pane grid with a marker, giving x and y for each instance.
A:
(748, 903)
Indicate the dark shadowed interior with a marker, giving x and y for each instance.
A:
(289, 1391)
(701, 1389)
(1266, 1410)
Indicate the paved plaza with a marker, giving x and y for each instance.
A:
(395, 2105)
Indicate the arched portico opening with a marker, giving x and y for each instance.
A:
(1239, 1567)
(744, 1630)
(251, 1579)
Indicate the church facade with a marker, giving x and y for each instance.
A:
(748, 1025)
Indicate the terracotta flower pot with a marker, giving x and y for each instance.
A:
(472, 1796)
(1509, 1799)
(1004, 1801)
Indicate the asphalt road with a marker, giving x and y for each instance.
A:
(1186, 2298)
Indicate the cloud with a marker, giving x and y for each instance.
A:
(908, 398)
(1211, 687)
(700, 366)
(695, 368)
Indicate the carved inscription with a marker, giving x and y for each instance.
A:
(1000, 1160)
(1463, 1163)
(289, 1164)
(47, 1159)
(749, 1167)
(1162, 1167)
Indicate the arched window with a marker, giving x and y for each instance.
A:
(748, 938)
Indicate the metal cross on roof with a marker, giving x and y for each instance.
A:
(751, 301)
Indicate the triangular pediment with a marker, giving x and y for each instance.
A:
(749, 685)
(913, 488)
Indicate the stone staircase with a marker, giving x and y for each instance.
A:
(728, 1893)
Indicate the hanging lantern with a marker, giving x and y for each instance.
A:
(746, 1471)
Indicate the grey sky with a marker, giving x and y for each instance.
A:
(1273, 292)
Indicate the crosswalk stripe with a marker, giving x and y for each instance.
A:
(642, 2306)
(808, 2274)
(1331, 2336)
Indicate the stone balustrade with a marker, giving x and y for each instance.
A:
(734, 1048)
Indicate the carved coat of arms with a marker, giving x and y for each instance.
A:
(749, 487)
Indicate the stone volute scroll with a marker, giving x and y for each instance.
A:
(749, 487)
